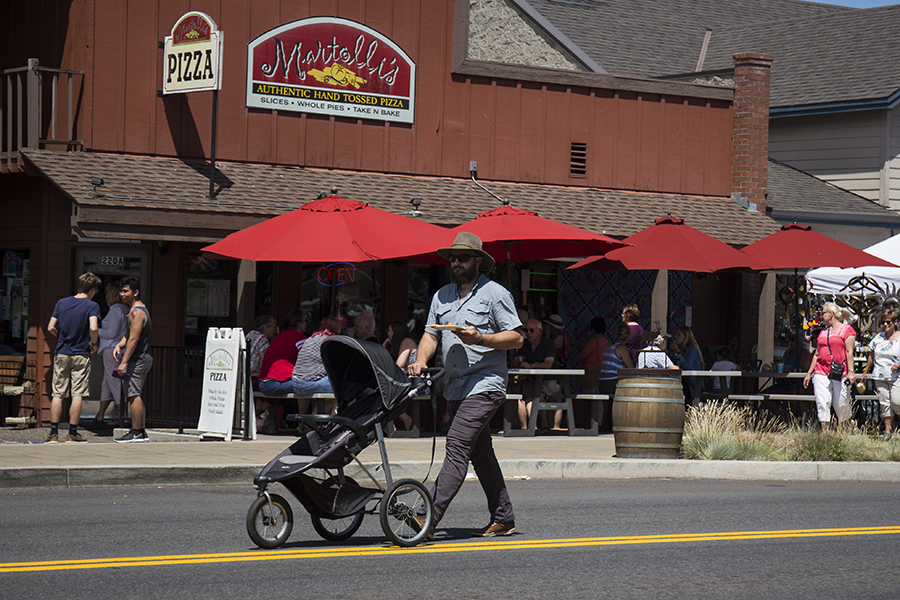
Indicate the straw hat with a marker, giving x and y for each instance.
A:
(554, 321)
(468, 241)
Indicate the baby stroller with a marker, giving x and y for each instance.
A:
(370, 391)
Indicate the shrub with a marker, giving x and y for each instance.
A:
(728, 432)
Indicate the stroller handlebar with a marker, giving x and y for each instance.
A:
(428, 375)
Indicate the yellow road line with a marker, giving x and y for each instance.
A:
(468, 546)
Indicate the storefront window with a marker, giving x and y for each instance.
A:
(14, 279)
(210, 296)
(340, 289)
(423, 282)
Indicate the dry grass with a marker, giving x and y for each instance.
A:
(729, 432)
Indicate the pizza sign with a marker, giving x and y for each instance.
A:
(193, 55)
(331, 66)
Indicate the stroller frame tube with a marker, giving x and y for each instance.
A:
(379, 433)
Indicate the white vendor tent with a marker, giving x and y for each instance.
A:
(831, 280)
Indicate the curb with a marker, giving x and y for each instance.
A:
(69, 477)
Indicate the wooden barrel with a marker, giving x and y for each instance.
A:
(648, 413)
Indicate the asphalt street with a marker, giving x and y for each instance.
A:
(576, 539)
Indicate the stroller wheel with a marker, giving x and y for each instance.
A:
(269, 521)
(341, 528)
(337, 530)
(401, 503)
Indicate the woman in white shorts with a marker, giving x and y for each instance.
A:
(885, 354)
(834, 345)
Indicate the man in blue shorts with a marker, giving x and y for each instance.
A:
(474, 356)
(76, 324)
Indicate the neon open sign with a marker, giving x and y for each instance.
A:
(336, 274)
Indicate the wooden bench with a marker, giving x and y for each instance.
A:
(594, 405)
(12, 383)
(511, 415)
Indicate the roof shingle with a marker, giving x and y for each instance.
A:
(168, 184)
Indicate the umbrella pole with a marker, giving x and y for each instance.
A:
(333, 301)
(509, 269)
(797, 326)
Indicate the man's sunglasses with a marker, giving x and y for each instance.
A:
(460, 258)
(532, 330)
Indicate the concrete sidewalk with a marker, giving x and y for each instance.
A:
(170, 459)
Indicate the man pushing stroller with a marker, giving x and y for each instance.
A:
(478, 324)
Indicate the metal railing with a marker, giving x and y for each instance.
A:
(174, 389)
(22, 120)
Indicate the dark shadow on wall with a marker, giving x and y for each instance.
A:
(186, 139)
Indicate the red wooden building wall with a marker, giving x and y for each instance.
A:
(517, 129)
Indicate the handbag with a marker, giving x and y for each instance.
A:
(836, 372)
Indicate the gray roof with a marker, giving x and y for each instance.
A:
(794, 190)
(168, 190)
(842, 57)
(823, 53)
(649, 38)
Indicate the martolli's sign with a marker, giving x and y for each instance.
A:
(331, 66)
(193, 55)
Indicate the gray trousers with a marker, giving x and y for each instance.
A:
(469, 439)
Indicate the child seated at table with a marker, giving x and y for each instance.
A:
(724, 362)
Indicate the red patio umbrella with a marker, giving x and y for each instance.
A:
(334, 229)
(515, 235)
(797, 246)
(672, 245)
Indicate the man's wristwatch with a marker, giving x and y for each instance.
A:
(480, 340)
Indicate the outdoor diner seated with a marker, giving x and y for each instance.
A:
(553, 331)
(258, 340)
(364, 326)
(537, 352)
(616, 356)
(724, 362)
(654, 356)
(591, 356)
(278, 365)
(309, 376)
(686, 354)
(403, 349)
(278, 361)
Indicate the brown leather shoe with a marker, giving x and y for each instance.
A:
(417, 523)
(75, 437)
(495, 529)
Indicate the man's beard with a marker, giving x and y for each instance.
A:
(466, 275)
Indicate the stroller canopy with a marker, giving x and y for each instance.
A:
(355, 367)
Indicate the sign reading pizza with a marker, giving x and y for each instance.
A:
(331, 66)
(193, 55)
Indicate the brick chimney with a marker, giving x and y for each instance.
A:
(750, 130)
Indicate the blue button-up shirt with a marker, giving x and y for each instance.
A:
(473, 369)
